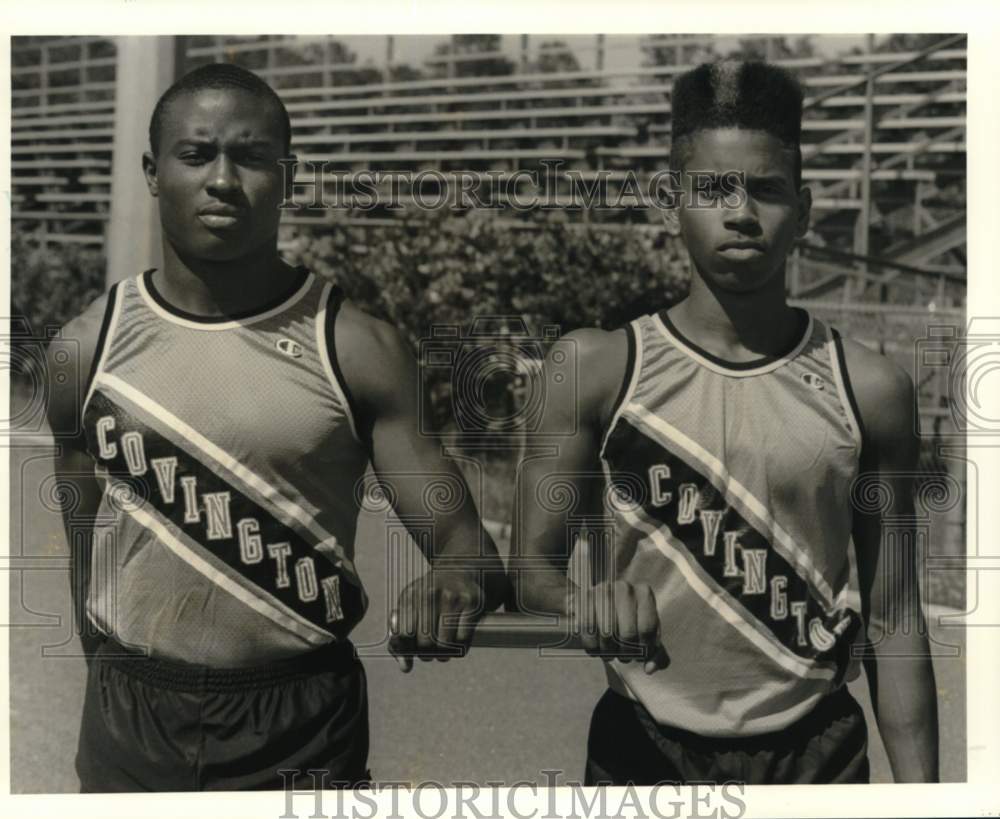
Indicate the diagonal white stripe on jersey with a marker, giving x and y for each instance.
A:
(728, 609)
(278, 504)
(740, 496)
(273, 609)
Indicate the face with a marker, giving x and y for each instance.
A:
(740, 231)
(217, 176)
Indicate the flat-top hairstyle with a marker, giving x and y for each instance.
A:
(736, 94)
(217, 76)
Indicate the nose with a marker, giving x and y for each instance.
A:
(223, 177)
(743, 217)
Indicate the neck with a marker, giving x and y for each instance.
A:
(220, 288)
(737, 326)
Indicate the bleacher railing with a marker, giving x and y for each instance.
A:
(874, 153)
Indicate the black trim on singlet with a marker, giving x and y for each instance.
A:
(630, 365)
(147, 278)
(102, 336)
(838, 344)
(739, 365)
(362, 424)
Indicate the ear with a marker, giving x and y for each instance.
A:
(805, 210)
(149, 171)
(668, 196)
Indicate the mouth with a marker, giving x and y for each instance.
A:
(742, 244)
(742, 249)
(219, 216)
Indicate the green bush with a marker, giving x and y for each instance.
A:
(49, 286)
(438, 269)
(435, 268)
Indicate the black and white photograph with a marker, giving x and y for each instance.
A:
(446, 420)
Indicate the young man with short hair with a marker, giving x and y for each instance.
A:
(730, 430)
(232, 405)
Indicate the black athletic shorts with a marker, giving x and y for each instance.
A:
(154, 725)
(827, 746)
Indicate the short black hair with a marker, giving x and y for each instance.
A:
(753, 95)
(217, 76)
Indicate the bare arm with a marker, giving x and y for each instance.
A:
(68, 361)
(613, 617)
(897, 663)
(541, 549)
(467, 577)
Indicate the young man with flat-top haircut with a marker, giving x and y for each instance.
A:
(731, 429)
(232, 405)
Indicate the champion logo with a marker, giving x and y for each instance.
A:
(290, 348)
(814, 381)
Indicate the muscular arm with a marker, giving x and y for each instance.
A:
(541, 548)
(68, 362)
(613, 616)
(897, 664)
(383, 378)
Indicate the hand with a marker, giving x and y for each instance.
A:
(435, 618)
(619, 620)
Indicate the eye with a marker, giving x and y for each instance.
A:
(769, 190)
(252, 157)
(193, 157)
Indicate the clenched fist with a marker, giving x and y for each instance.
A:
(435, 617)
(618, 620)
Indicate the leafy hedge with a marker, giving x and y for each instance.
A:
(437, 268)
(49, 286)
(430, 269)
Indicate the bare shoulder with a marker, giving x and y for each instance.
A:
(69, 359)
(374, 356)
(87, 324)
(884, 393)
(598, 361)
(363, 329)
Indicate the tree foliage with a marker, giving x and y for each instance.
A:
(464, 45)
(49, 286)
(437, 270)
(434, 268)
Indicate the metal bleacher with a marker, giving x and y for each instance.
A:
(62, 121)
(883, 140)
(893, 123)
